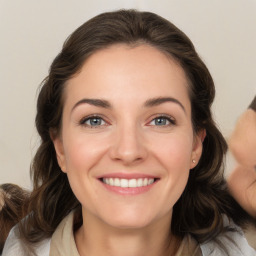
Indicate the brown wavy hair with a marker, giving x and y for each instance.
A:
(13, 202)
(200, 208)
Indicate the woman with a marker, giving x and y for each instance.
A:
(130, 158)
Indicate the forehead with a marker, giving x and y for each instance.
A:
(122, 71)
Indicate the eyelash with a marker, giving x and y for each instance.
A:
(90, 118)
(167, 118)
(83, 121)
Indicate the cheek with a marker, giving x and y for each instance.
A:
(82, 153)
(174, 155)
(174, 151)
(177, 160)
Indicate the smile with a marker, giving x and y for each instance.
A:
(128, 183)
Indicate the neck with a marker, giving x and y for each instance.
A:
(95, 237)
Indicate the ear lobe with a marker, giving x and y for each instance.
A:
(59, 149)
(197, 148)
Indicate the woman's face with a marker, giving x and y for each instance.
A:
(127, 142)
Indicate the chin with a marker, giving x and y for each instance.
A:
(129, 224)
(129, 220)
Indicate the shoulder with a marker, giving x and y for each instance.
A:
(14, 246)
(232, 242)
(63, 241)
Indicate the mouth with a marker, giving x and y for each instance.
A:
(129, 183)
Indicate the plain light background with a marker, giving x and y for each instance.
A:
(32, 33)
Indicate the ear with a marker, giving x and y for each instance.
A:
(197, 148)
(60, 154)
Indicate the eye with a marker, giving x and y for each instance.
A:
(162, 121)
(93, 121)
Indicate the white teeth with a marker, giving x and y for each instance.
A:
(117, 182)
(111, 182)
(140, 182)
(150, 181)
(132, 183)
(125, 183)
(106, 181)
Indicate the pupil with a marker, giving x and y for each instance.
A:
(161, 121)
(95, 121)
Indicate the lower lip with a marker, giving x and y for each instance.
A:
(128, 191)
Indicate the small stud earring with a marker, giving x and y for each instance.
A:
(193, 161)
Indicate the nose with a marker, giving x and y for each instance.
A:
(128, 146)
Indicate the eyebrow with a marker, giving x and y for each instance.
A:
(160, 100)
(149, 103)
(93, 102)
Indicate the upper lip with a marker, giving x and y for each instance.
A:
(127, 176)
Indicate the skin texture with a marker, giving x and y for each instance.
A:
(130, 141)
(242, 143)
